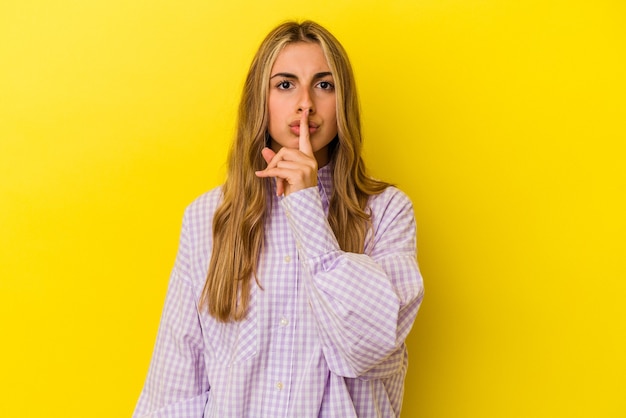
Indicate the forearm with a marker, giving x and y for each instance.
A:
(364, 306)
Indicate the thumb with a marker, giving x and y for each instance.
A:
(268, 154)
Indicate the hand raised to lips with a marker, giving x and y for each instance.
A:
(293, 169)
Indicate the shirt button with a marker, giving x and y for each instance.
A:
(287, 259)
(279, 385)
(284, 322)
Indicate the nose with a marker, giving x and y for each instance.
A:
(305, 101)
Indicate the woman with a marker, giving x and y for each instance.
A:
(296, 282)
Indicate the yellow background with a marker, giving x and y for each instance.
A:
(503, 120)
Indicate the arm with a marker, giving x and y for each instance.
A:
(365, 305)
(177, 385)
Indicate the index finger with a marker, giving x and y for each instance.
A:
(305, 141)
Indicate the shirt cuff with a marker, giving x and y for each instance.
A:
(315, 239)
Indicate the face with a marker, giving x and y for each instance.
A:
(301, 79)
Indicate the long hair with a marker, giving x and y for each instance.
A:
(239, 220)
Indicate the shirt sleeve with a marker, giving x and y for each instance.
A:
(177, 385)
(364, 304)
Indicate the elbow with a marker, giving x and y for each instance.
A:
(363, 357)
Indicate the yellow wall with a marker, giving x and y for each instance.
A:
(503, 120)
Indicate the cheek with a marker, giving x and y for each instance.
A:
(273, 112)
(275, 108)
(333, 116)
(332, 110)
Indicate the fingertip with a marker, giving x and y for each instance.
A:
(305, 116)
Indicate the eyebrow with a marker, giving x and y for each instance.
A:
(317, 76)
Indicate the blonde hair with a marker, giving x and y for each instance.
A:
(239, 220)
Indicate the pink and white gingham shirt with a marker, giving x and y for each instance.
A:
(323, 338)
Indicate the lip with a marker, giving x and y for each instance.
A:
(296, 122)
(294, 126)
(295, 129)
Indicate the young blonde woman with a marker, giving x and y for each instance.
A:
(296, 282)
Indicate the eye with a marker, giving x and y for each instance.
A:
(326, 85)
(284, 85)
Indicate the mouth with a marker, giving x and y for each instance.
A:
(295, 127)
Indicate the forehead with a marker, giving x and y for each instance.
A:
(301, 57)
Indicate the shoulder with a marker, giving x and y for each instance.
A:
(207, 200)
(393, 222)
(391, 199)
(200, 211)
